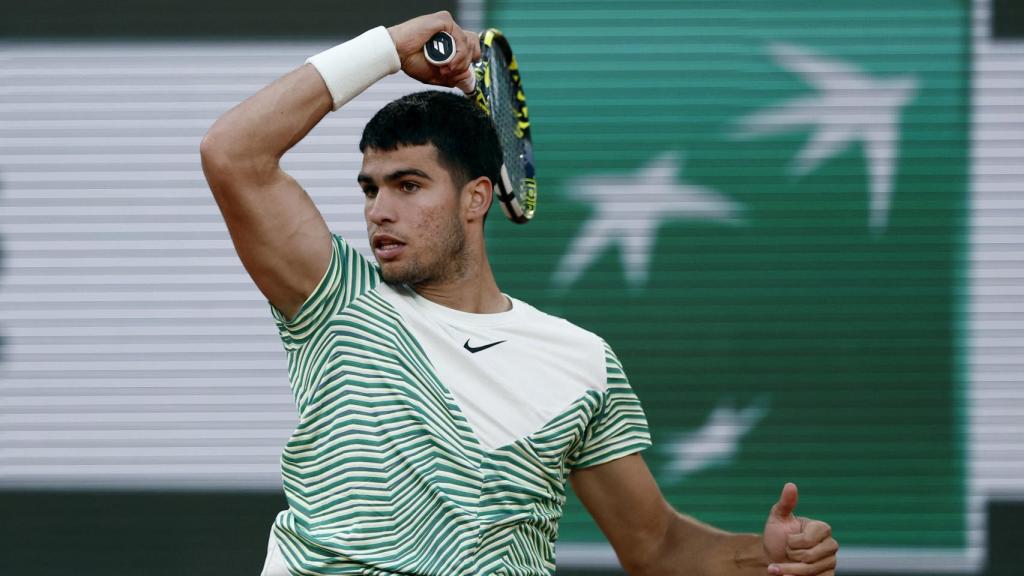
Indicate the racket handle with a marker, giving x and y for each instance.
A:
(440, 50)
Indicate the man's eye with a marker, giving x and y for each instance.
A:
(370, 192)
(410, 186)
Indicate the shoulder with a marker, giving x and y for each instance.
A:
(556, 324)
(564, 342)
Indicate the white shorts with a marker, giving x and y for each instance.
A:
(274, 564)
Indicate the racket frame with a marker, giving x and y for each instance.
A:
(480, 88)
(518, 207)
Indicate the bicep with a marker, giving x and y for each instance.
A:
(279, 235)
(625, 502)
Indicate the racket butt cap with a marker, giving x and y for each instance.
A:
(440, 49)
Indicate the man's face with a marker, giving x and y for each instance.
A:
(412, 212)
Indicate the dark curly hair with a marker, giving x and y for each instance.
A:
(464, 136)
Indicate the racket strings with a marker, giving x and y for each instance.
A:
(505, 112)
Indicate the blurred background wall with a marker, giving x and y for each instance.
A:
(798, 224)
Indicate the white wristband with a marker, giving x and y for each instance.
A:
(354, 66)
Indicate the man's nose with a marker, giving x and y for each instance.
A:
(381, 208)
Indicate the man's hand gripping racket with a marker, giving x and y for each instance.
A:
(494, 84)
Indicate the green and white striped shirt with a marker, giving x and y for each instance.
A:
(436, 442)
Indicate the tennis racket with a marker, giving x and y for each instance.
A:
(497, 89)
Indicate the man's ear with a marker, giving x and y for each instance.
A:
(477, 196)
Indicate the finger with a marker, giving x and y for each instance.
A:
(827, 548)
(463, 50)
(814, 532)
(444, 21)
(473, 40)
(459, 78)
(787, 501)
(804, 569)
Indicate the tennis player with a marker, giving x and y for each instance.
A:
(439, 418)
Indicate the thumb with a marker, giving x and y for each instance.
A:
(787, 502)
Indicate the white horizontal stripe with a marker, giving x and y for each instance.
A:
(169, 51)
(17, 349)
(15, 245)
(233, 91)
(989, 428)
(115, 314)
(330, 194)
(7, 143)
(124, 454)
(989, 338)
(112, 471)
(354, 158)
(147, 194)
(187, 418)
(158, 69)
(237, 91)
(998, 291)
(125, 383)
(251, 295)
(201, 125)
(128, 261)
(359, 106)
(45, 282)
(108, 124)
(215, 107)
(192, 175)
(83, 367)
(58, 292)
(133, 434)
(109, 227)
(987, 257)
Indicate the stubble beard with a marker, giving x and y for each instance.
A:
(447, 262)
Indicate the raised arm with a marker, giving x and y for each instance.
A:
(651, 538)
(278, 232)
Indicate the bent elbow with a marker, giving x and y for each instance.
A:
(215, 152)
(213, 155)
(225, 161)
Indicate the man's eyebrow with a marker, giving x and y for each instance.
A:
(396, 175)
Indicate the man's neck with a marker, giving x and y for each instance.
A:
(475, 293)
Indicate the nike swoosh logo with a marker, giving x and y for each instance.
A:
(475, 349)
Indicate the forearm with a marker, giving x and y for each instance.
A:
(250, 139)
(692, 548)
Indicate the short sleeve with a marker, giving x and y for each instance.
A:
(618, 427)
(349, 275)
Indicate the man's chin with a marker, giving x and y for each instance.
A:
(392, 281)
(390, 277)
(397, 275)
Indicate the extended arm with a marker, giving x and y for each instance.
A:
(652, 539)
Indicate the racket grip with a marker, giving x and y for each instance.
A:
(440, 50)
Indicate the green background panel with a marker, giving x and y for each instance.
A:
(847, 335)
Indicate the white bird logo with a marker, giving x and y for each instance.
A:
(849, 106)
(628, 209)
(715, 443)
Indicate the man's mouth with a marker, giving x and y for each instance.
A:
(387, 247)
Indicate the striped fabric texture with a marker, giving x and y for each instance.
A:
(384, 474)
